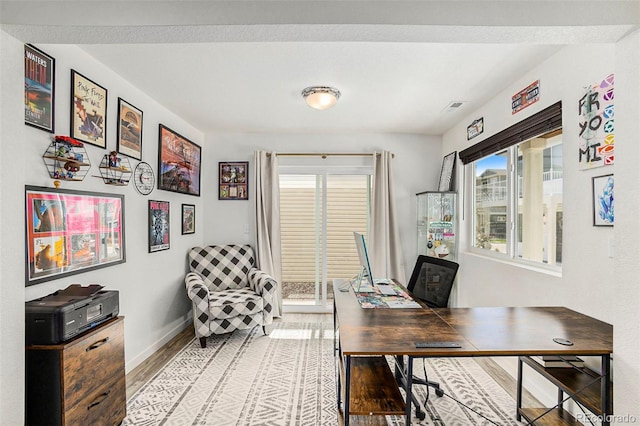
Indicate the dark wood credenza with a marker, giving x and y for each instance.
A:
(80, 381)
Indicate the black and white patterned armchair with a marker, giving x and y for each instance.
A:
(227, 291)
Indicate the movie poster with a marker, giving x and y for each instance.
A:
(88, 110)
(39, 76)
(158, 226)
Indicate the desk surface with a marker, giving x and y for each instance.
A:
(479, 331)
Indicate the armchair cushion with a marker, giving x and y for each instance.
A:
(234, 302)
(222, 267)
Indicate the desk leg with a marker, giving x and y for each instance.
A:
(605, 390)
(347, 386)
(519, 390)
(407, 411)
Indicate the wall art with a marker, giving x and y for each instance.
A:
(603, 213)
(447, 178)
(526, 97)
(39, 89)
(159, 226)
(188, 219)
(178, 163)
(69, 232)
(88, 110)
(129, 130)
(233, 180)
(596, 125)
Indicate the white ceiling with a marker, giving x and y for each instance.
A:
(239, 66)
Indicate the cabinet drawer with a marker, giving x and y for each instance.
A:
(104, 406)
(93, 361)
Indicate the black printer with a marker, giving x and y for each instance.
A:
(66, 313)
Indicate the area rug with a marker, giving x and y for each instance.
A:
(288, 378)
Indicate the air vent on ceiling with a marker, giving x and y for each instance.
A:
(453, 106)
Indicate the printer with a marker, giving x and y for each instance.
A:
(66, 313)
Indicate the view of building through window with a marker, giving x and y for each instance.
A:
(519, 213)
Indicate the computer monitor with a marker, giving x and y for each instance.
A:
(363, 255)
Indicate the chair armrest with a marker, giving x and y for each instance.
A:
(196, 289)
(262, 283)
(199, 295)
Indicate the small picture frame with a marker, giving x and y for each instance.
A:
(188, 219)
(447, 177)
(88, 111)
(603, 212)
(129, 130)
(39, 89)
(159, 226)
(233, 180)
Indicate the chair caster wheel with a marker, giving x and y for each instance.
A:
(421, 415)
(440, 392)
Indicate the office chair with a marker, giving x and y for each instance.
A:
(432, 281)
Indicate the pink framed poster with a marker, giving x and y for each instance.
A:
(69, 232)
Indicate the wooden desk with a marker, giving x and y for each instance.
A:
(526, 331)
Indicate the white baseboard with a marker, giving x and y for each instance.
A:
(140, 358)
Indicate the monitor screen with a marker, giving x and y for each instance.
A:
(363, 255)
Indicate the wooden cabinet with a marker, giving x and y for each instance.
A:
(592, 390)
(78, 382)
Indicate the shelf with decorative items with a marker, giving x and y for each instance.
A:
(66, 159)
(115, 170)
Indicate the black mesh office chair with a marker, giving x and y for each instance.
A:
(431, 282)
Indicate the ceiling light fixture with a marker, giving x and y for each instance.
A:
(321, 97)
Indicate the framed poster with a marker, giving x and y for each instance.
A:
(178, 163)
(159, 223)
(69, 232)
(88, 110)
(188, 219)
(447, 181)
(39, 89)
(129, 130)
(603, 200)
(233, 180)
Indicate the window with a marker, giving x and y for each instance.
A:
(517, 191)
(319, 210)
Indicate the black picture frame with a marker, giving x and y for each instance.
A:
(69, 232)
(178, 163)
(188, 219)
(603, 200)
(88, 118)
(233, 180)
(447, 173)
(129, 136)
(159, 226)
(39, 89)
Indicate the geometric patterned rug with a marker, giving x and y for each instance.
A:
(288, 378)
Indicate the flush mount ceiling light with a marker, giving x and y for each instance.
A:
(321, 97)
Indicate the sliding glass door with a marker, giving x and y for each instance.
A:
(319, 210)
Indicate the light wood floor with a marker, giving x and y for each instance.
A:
(145, 371)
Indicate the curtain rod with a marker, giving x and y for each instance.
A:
(324, 154)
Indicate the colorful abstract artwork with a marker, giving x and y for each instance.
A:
(596, 125)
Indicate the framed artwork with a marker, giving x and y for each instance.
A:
(69, 232)
(39, 89)
(447, 181)
(88, 110)
(178, 163)
(188, 219)
(129, 130)
(159, 224)
(603, 200)
(233, 180)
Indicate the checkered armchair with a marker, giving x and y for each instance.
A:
(227, 291)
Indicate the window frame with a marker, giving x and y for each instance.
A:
(508, 140)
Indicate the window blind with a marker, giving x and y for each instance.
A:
(542, 122)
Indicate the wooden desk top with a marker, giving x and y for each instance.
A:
(479, 331)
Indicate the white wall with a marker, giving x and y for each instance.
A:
(152, 296)
(417, 164)
(591, 280)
